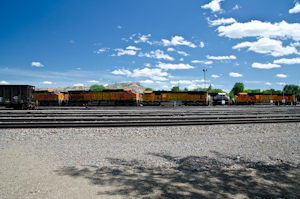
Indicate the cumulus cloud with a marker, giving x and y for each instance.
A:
(122, 72)
(158, 54)
(202, 62)
(201, 44)
(280, 83)
(215, 76)
(147, 81)
(119, 27)
(295, 9)
(101, 50)
(221, 57)
(168, 66)
(37, 64)
(287, 61)
(214, 5)
(142, 38)
(171, 49)
(153, 73)
(222, 21)
(267, 46)
(46, 82)
(183, 53)
(79, 84)
(176, 41)
(233, 74)
(236, 7)
(125, 52)
(268, 83)
(93, 81)
(265, 66)
(257, 28)
(132, 48)
(4, 82)
(281, 75)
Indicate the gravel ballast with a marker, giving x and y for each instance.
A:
(220, 161)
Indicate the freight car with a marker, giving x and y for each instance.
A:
(17, 96)
(264, 98)
(48, 97)
(191, 98)
(114, 97)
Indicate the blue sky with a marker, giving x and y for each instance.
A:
(157, 43)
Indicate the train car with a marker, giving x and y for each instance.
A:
(265, 98)
(191, 98)
(220, 99)
(17, 96)
(48, 97)
(113, 97)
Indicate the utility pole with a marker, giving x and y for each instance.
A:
(204, 70)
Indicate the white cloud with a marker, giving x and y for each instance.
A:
(4, 82)
(296, 44)
(142, 38)
(119, 27)
(265, 66)
(188, 81)
(153, 73)
(132, 48)
(147, 64)
(171, 49)
(125, 39)
(125, 52)
(280, 83)
(295, 9)
(287, 61)
(46, 82)
(147, 81)
(78, 68)
(215, 76)
(183, 53)
(221, 57)
(181, 59)
(37, 64)
(176, 41)
(121, 72)
(222, 21)
(72, 42)
(214, 5)
(202, 62)
(267, 46)
(257, 28)
(79, 84)
(201, 44)
(158, 54)
(236, 7)
(93, 81)
(101, 50)
(168, 66)
(281, 75)
(268, 83)
(233, 74)
(253, 82)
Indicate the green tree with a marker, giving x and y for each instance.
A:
(291, 88)
(148, 89)
(175, 89)
(217, 90)
(252, 91)
(97, 87)
(185, 89)
(237, 88)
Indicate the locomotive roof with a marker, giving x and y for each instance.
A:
(189, 92)
(252, 94)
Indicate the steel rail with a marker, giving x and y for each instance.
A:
(72, 124)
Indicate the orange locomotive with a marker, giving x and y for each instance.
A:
(190, 98)
(260, 98)
(114, 97)
(48, 97)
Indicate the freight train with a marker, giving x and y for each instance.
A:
(25, 97)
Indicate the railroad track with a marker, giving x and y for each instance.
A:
(141, 118)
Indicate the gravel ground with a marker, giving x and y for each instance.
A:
(222, 161)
